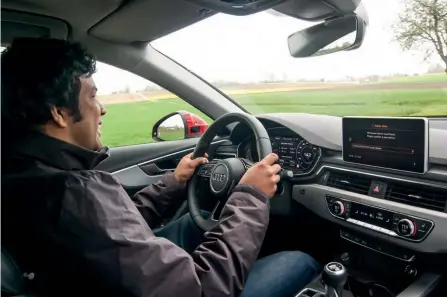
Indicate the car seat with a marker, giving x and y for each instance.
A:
(13, 279)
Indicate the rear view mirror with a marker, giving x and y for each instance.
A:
(179, 125)
(334, 35)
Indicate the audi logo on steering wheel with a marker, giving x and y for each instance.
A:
(219, 177)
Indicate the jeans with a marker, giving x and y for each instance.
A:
(280, 275)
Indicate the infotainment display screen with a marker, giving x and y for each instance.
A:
(394, 143)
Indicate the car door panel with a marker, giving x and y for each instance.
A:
(126, 156)
(138, 166)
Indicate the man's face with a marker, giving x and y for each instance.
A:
(87, 132)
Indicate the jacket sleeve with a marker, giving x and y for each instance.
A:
(155, 200)
(120, 248)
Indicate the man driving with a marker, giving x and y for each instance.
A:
(77, 229)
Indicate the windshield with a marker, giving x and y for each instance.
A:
(248, 59)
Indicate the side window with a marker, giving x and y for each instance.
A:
(134, 105)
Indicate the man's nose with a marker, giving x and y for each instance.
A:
(103, 110)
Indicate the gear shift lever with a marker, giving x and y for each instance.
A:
(335, 276)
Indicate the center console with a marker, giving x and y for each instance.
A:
(335, 281)
(384, 248)
(329, 284)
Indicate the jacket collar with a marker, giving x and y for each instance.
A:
(58, 153)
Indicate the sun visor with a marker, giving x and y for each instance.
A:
(317, 10)
(142, 20)
(15, 24)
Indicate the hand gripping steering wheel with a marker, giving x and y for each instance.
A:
(222, 175)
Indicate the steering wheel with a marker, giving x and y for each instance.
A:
(222, 175)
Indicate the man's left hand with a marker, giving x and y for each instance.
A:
(186, 166)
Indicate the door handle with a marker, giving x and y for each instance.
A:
(153, 169)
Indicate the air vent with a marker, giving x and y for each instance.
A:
(349, 182)
(425, 197)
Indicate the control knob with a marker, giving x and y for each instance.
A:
(338, 208)
(406, 227)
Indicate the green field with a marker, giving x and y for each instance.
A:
(172, 135)
(432, 78)
(131, 123)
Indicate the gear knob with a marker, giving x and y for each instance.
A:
(335, 276)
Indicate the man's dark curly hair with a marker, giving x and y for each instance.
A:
(38, 74)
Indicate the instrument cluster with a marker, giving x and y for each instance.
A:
(294, 152)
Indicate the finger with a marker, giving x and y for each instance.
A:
(275, 169)
(189, 156)
(270, 159)
(198, 161)
(276, 179)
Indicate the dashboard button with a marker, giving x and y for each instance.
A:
(383, 230)
(345, 234)
(392, 233)
(338, 208)
(368, 226)
(377, 189)
(406, 227)
(352, 221)
(424, 226)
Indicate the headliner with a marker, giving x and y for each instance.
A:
(135, 21)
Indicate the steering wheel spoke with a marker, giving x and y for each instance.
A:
(206, 169)
(215, 213)
(247, 163)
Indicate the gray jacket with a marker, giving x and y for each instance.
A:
(82, 235)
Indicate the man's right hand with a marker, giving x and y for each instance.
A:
(263, 175)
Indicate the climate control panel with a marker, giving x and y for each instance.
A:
(380, 220)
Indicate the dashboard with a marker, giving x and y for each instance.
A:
(370, 204)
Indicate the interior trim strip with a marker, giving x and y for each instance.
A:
(373, 249)
(422, 287)
(376, 175)
(164, 157)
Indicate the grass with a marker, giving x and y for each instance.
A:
(427, 78)
(343, 103)
(131, 123)
(172, 135)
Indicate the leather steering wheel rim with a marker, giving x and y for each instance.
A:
(263, 147)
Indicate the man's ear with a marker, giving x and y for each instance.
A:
(60, 117)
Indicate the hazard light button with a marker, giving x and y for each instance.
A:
(377, 189)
